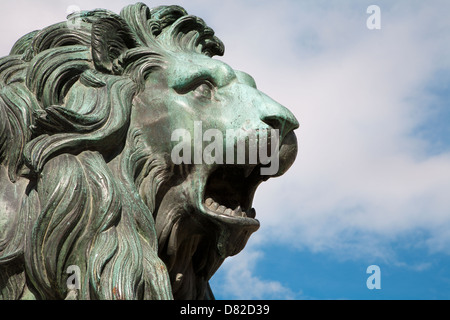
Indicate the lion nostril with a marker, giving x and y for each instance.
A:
(284, 124)
(273, 121)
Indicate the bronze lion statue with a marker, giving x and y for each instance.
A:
(88, 181)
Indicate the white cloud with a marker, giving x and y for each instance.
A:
(362, 178)
(239, 282)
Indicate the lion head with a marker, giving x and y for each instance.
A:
(88, 112)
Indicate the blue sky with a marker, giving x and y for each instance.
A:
(371, 184)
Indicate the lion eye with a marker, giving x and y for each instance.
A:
(204, 90)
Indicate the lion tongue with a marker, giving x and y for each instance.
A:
(222, 210)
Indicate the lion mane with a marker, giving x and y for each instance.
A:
(66, 94)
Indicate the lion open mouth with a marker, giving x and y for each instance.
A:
(229, 190)
(229, 193)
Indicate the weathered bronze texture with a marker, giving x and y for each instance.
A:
(87, 179)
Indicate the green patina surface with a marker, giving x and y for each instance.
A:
(87, 179)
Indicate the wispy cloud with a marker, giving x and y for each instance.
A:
(362, 178)
(238, 280)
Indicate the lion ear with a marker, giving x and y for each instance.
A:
(110, 38)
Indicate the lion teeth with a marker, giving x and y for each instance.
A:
(214, 206)
(238, 212)
(222, 210)
(248, 171)
(209, 201)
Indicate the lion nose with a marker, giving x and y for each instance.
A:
(280, 118)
